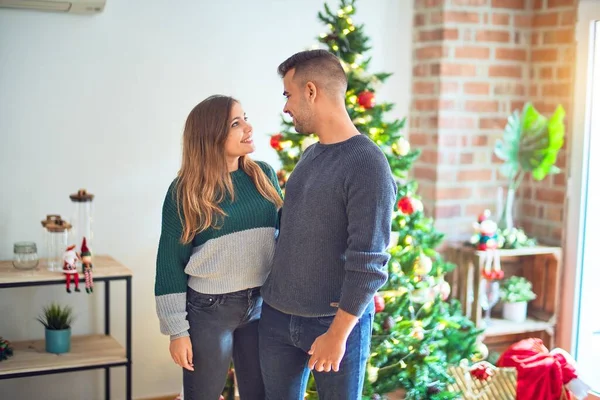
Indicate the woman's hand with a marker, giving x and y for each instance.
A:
(181, 352)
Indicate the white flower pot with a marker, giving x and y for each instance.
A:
(516, 312)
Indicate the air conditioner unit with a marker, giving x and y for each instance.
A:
(66, 6)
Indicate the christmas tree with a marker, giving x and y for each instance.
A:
(418, 331)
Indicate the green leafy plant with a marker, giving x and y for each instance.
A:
(531, 143)
(514, 238)
(516, 289)
(56, 317)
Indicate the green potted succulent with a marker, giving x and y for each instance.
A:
(57, 320)
(515, 293)
(530, 144)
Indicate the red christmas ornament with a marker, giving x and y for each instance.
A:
(379, 303)
(366, 99)
(276, 141)
(481, 372)
(405, 205)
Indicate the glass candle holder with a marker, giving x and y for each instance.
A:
(81, 220)
(57, 232)
(25, 255)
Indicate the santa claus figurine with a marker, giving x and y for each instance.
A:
(70, 268)
(86, 265)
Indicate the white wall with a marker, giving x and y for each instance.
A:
(99, 102)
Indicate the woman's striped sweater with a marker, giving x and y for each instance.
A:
(234, 257)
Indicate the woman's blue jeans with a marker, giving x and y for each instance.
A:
(223, 327)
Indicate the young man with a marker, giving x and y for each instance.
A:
(331, 254)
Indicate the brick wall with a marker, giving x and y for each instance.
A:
(551, 82)
(474, 62)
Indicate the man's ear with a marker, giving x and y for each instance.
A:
(311, 91)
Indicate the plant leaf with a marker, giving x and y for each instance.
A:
(508, 148)
(541, 141)
(56, 317)
(500, 150)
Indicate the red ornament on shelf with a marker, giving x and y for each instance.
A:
(379, 303)
(276, 141)
(366, 99)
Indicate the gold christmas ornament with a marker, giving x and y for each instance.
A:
(307, 142)
(372, 373)
(416, 204)
(418, 333)
(285, 144)
(423, 265)
(401, 147)
(422, 295)
(481, 353)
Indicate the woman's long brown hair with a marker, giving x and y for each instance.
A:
(204, 180)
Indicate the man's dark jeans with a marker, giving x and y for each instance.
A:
(284, 344)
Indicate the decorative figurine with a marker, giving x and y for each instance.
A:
(86, 266)
(488, 232)
(70, 268)
(6, 349)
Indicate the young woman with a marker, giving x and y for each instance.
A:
(215, 251)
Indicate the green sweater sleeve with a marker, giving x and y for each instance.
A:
(171, 280)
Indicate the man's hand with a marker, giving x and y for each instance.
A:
(328, 349)
(181, 352)
(327, 352)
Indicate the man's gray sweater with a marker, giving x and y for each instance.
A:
(335, 228)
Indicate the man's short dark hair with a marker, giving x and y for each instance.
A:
(319, 66)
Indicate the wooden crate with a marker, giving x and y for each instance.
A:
(541, 265)
(498, 343)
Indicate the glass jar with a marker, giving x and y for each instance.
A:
(82, 220)
(57, 231)
(25, 255)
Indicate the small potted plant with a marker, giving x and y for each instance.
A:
(515, 292)
(57, 320)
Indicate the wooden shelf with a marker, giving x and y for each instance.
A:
(105, 267)
(541, 265)
(525, 251)
(500, 327)
(86, 351)
(100, 351)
